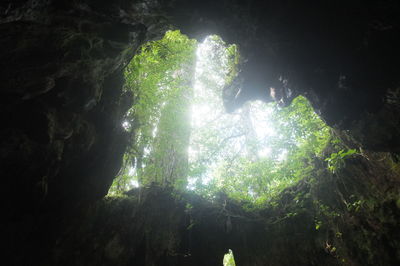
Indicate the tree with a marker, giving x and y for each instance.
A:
(159, 78)
(167, 163)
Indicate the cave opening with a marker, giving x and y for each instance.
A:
(183, 137)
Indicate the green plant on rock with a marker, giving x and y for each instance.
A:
(229, 260)
(336, 160)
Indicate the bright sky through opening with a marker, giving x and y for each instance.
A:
(210, 121)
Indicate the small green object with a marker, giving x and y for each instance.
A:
(318, 225)
(229, 260)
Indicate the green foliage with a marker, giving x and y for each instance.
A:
(297, 137)
(325, 213)
(233, 58)
(250, 155)
(336, 160)
(159, 78)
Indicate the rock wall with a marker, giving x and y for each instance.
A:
(61, 97)
(62, 107)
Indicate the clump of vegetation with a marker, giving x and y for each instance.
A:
(262, 166)
(336, 160)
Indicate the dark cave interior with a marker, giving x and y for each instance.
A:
(62, 107)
